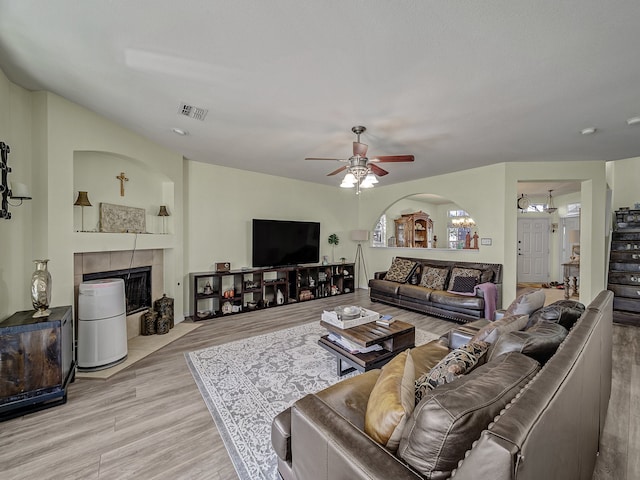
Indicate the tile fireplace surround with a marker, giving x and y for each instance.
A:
(96, 262)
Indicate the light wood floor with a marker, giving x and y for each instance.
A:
(150, 422)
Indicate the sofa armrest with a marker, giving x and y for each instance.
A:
(325, 445)
(464, 333)
(379, 275)
(281, 435)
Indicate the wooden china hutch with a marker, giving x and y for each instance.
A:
(414, 230)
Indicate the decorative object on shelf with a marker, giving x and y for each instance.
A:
(207, 289)
(122, 219)
(41, 289)
(325, 260)
(467, 241)
(82, 201)
(435, 241)
(475, 241)
(164, 307)
(18, 191)
(148, 323)
(227, 307)
(550, 208)
(362, 171)
(334, 241)
(223, 267)
(163, 213)
(343, 259)
(122, 179)
(279, 297)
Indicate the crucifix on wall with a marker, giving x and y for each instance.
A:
(122, 179)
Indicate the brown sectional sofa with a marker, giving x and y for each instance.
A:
(440, 303)
(514, 419)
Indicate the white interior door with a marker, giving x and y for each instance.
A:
(533, 250)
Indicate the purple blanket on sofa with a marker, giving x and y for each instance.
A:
(490, 295)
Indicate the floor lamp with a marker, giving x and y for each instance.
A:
(360, 236)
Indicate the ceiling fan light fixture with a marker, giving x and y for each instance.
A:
(349, 178)
(371, 178)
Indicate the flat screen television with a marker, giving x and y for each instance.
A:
(283, 242)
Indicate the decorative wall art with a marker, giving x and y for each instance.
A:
(122, 219)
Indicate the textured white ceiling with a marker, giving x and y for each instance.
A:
(457, 84)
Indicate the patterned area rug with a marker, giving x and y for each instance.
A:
(246, 383)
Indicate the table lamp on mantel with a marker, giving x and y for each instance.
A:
(163, 213)
(82, 201)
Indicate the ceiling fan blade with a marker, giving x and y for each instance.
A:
(360, 149)
(337, 171)
(333, 159)
(381, 172)
(393, 158)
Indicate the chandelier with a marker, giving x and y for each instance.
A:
(358, 175)
(550, 208)
(464, 222)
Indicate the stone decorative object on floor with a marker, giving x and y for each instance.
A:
(162, 326)
(148, 323)
(164, 307)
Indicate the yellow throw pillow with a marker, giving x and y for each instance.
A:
(391, 402)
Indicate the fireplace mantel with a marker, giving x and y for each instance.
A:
(88, 242)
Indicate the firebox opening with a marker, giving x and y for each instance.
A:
(137, 286)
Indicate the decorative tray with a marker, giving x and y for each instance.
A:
(336, 317)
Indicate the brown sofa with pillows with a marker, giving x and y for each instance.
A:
(523, 397)
(446, 289)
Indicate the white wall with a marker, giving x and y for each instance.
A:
(623, 177)
(95, 173)
(16, 234)
(221, 203)
(489, 194)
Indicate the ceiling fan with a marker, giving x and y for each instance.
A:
(361, 170)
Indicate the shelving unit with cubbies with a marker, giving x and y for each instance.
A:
(214, 294)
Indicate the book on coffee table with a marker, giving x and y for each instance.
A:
(385, 320)
(352, 347)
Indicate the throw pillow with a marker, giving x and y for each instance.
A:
(400, 270)
(527, 303)
(434, 277)
(463, 272)
(464, 285)
(456, 363)
(391, 402)
(509, 323)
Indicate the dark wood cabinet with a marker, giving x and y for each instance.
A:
(624, 267)
(37, 361)
(214, 294)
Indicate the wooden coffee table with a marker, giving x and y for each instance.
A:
(394, 339)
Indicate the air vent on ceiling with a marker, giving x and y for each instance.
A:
(196, 113)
